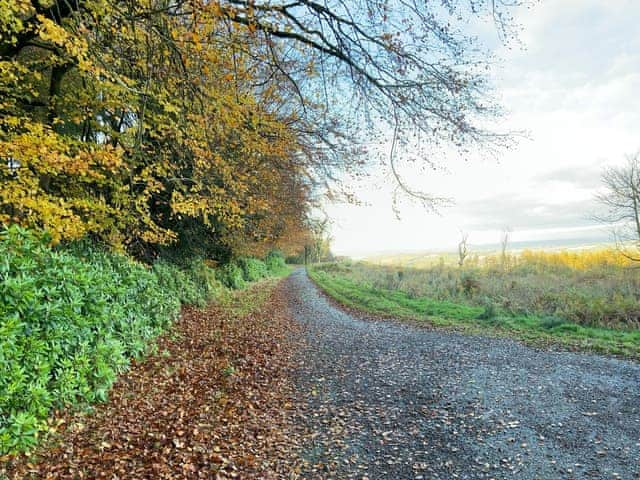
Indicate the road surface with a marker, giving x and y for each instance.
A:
(389, 401)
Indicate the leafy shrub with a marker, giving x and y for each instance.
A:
(194, 285)
(275, 261)
(253, 269)
(175, 281)
(204, 278)
(69, 322)
(231, 276)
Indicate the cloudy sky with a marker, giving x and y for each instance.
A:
(575, 88)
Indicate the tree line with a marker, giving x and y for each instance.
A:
(215, 126)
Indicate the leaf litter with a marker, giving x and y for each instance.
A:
(213, 402)
(298, 389)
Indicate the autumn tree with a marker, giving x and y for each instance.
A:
(151, 127)
(146, 123)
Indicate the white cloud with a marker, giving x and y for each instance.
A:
(575, 90)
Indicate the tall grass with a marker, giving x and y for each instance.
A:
(484, 319)
(595, 288)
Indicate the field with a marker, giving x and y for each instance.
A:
(588, 299)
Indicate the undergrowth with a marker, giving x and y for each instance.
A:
(72, 318)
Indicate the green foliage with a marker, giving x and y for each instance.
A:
(21, 432)
(275, 261)
(551, 322)
(253, 269)
(69, 322)
(204, 278)
(297, 259)
(231, 276)
(376, 290)
(175, 281)
(195, 285)
(235, 274)
(71, 318)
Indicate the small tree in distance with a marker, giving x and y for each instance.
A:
(463, 248)
(622, 202)
(504, 245)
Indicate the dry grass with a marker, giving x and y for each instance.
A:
(595, 288)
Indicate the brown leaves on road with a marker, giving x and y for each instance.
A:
(214, 402)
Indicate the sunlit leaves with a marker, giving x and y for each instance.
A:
(127, 122)
(12, 14)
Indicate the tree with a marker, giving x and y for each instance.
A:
(463, 248)
(406, 66)
(621, 200)
(318, 245)
(150, 123)
(504, 244)
(137, 123)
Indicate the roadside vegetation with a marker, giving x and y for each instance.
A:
(159, 154)
(586, 300)
(72, 318)
(207, 401)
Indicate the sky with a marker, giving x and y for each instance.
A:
(574, 87)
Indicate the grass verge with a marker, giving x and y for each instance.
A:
(533, 330)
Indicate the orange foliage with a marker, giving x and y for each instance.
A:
(125, 124)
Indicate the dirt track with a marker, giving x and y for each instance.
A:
(387, 401)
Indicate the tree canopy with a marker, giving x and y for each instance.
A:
(149, 122)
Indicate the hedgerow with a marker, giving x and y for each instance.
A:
(195, 285)
(275, 261)
(231, 276)
(68, 325)
(253, 269)
(72, 318)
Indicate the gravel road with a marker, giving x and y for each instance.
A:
(388, 401)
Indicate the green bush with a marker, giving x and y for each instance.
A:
(71, 319)
(175, 281)
(69, 322)
(231, 276)
(205, 279)
(253, 269)
(275, 261)
(194, 285)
